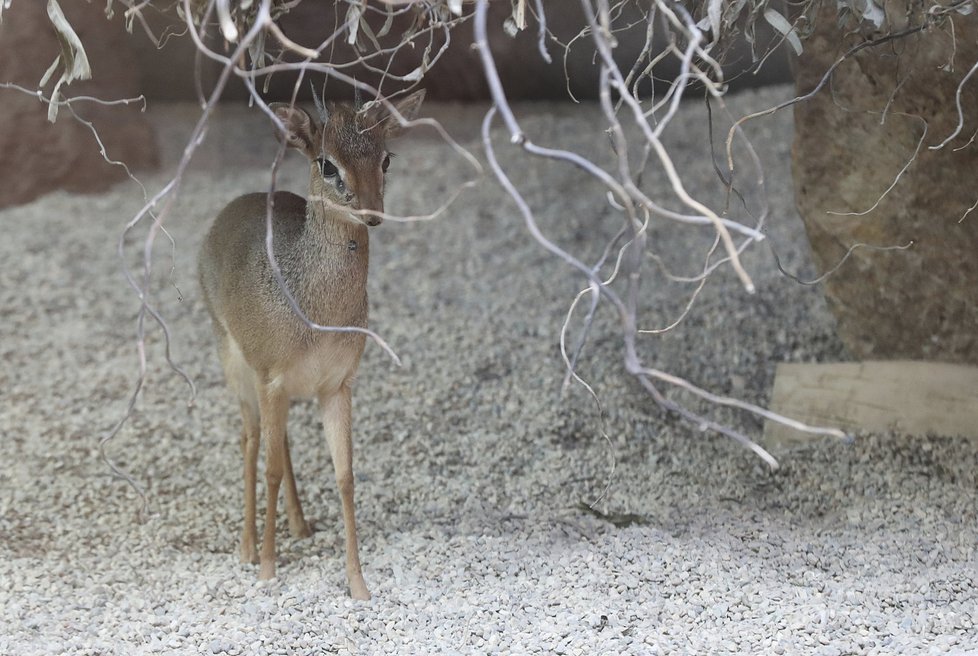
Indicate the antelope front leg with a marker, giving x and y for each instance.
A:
(274, 413)
(337, 411)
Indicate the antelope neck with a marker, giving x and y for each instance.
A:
(328, 228)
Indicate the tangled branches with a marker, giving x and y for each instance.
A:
(682, 53)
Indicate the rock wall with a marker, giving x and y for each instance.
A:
(921, 302)
(39, 156)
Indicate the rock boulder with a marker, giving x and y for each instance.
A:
(851, 142)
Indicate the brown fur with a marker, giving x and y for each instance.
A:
(270, 356)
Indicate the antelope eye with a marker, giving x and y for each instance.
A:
(387, 163)
(327, 168)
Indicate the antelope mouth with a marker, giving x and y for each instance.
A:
(369, 220)
(359, 216)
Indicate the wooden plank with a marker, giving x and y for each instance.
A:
(907, 396)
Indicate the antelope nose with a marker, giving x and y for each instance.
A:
(374, 205)
(367, 205)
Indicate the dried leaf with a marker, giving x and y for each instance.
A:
(228, 28)
(48, 73)
(781, 24)
(510, 27)
(353, 23)
(869, 11)
(620, 520)
(388, 22)
(733, 11)
(714, 11)
(416, 25)
(257, 50)
(519, 14)
(866, 10)
(369, 33)
(415, 75)
(72, 57)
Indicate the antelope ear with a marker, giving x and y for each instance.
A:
(407, 107)
(300, 130)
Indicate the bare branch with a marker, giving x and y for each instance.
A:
(957, 103)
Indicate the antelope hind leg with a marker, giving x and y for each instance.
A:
(274, 413)
(298, 526)
(249, 452)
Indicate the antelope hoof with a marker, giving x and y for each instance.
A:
(267, 570)
(358, 589)
(301, 530)
(249, 555)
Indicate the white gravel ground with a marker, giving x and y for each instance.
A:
(470, 468)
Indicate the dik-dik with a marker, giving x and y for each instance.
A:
(270, 355)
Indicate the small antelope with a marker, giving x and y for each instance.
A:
(270, 356)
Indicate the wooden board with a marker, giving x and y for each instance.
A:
(911, 397)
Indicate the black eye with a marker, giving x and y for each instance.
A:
(327, 167)
(387, 162)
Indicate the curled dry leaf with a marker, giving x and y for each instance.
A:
(72, 57)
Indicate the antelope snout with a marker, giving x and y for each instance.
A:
(371, 205)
